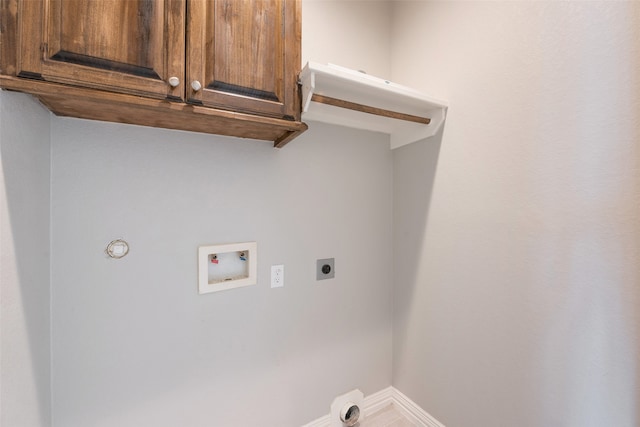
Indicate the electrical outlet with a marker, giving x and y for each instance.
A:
(325, 269)
(277, 276)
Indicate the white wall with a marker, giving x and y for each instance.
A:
(516, 234)
(349, 33)
(24, 263)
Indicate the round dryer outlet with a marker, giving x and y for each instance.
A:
(350, 414)
(347, 409)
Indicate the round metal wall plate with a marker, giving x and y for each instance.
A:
(117, 248)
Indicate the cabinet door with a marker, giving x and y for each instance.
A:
(244, 55)
(130, 46)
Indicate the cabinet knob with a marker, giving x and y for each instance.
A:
(174, 81)
(196, 86)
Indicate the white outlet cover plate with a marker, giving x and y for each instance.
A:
(277, 276)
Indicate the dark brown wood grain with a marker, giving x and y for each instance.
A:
(8, 36)
(112, 59)
(121, 108)
(245, 54)
(131, 46)
(367, 109)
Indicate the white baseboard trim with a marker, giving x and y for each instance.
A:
(413, 412)
(389, 396)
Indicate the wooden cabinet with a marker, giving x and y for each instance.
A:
(243, 53)
(219, 66)
(130, 46)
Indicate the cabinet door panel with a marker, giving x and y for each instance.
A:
(131, 46)
(245, 54)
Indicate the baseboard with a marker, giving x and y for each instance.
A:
(377, 401)
(412, 411)
(389, 396)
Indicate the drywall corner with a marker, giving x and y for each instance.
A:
(25, 339)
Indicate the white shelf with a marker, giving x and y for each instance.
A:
(356, 87)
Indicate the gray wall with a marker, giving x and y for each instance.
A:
(516, 234)
(133, 342)
(24, 263)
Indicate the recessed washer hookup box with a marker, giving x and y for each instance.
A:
(227, 266)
